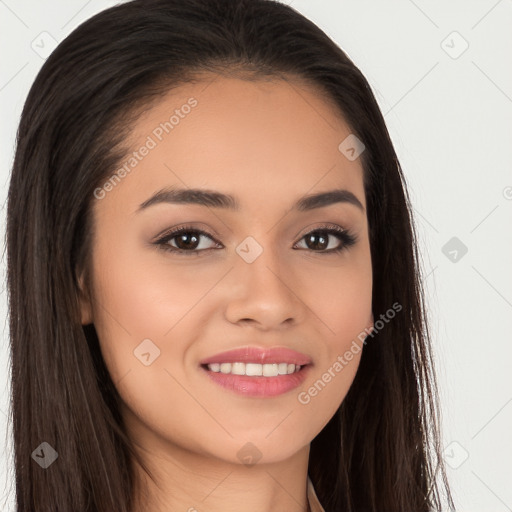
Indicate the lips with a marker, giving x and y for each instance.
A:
(266, 372)
(259, 356)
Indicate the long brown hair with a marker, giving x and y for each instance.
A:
(381, 451)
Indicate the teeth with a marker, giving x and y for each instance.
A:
(270, 370)
(282, 368)
(254, 369)
(238, 368)
(225, 368)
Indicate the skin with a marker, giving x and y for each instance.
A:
(268, 143)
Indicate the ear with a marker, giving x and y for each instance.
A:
(85, 302)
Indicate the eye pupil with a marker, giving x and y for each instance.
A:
(187, 237)
(321, 236)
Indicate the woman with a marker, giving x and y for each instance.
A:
(205, 218)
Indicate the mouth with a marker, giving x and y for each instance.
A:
(255, 372)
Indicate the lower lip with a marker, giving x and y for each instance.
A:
(259, 386)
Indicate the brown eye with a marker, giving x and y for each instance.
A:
(319, 240)
(185, 240)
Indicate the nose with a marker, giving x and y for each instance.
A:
(265, 293)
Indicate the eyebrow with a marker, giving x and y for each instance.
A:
(211, 198)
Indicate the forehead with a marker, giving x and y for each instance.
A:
(259, 140)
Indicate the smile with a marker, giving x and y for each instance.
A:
(254, 369)
(257, 372)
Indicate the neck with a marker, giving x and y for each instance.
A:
(191, 482)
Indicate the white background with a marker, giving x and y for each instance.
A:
(450, 118)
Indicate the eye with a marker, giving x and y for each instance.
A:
(186, 240)
(321, 237)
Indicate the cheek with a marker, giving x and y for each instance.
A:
(341, 298)
(142, 324)
(141, 299)
(147, 307)
(343, 305)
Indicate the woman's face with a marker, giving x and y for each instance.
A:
(265, 275)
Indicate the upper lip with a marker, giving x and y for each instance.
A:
(259, 356)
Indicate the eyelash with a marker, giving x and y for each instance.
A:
(345, 236)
